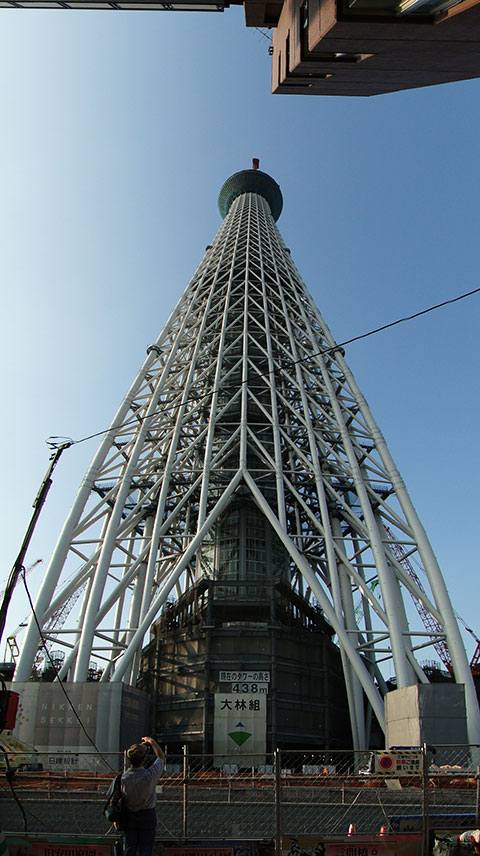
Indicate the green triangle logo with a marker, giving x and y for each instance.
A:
(239, 737)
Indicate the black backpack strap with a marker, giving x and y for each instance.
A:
(116, 791)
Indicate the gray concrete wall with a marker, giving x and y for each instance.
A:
(426, 713)
(113, 716)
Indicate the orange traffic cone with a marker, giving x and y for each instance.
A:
(383, 830)
(351, 829)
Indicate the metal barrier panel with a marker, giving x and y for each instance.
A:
(229, 801)
(332, 792)
(288, 793)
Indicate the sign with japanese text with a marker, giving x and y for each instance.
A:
(240, 728)
(69, 849)
(53, 844)
(222, 847)
(239, 676)
(199, 851)
(355, 845)
(364, 848)
(396, 762)
(261, 689)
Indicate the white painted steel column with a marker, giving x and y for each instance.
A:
(124, 662)
(216, 389)
(346, 604)
(305, 569)
(141, 584)
(91, 617)
(454, 640)
(108, 547)
(54, 570)
(403, 670)
(244, 397)
(45, 594)
(357, 727)
(274, 406)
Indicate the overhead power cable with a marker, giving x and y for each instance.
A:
(10, 776)
(42, 819)
(407, 318)
(265, 35)
(54, 441)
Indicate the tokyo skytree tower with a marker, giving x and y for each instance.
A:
(245, 453)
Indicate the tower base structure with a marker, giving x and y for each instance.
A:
(112, 715)
(426, 713)
(238, 670)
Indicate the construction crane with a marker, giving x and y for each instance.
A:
(12, 639)
(429, 622)
(475, 661)
(27, 573)
(55, 624)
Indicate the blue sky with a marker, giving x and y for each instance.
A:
(118, 130)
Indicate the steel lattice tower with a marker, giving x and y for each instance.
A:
(246, 398)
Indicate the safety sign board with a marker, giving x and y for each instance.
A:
(396, 762)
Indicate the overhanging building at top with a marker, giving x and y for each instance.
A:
(243, 548)
(343, 47)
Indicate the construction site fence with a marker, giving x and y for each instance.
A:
(285, 793)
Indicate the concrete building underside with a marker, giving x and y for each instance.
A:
(342, 47)
(245, 475)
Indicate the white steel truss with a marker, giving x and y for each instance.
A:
(245, 393)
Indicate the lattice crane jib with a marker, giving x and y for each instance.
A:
(245, 451)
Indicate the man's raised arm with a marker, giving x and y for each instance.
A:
(156, 748)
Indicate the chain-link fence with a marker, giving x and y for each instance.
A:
(286, 793)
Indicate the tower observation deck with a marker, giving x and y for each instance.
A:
(245, 463)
